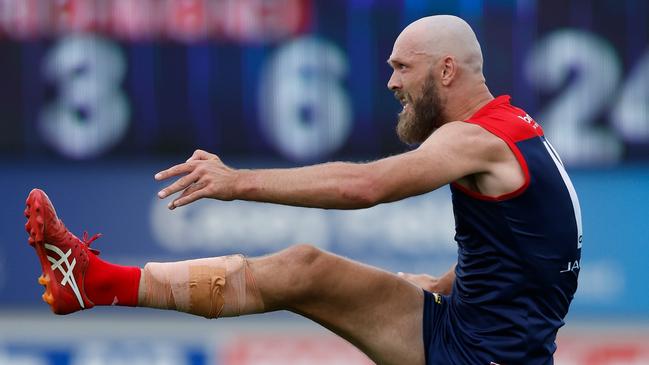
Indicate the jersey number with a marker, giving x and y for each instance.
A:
(571, 189)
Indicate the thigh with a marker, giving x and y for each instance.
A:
(377, 311)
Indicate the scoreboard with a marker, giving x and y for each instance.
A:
(302, 80)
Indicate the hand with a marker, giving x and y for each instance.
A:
(206, 176)
(426, 282)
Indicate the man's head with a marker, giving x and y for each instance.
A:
(435, 59)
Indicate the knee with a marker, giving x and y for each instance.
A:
(303, 255)
(306, 264)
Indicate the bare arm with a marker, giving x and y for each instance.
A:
(442, 284)
(455, 150)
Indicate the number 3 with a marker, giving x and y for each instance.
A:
(90, 114)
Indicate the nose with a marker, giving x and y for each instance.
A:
(394, 83)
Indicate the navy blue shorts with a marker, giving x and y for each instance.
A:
(443, 344)
(436, 348)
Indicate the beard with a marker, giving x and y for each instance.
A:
(423, 117)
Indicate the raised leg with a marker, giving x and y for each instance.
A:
(375, 310)
(378, 312)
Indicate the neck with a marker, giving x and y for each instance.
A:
(463, 104)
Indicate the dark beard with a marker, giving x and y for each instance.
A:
(425, 116)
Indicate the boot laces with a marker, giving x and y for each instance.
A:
(62, 233)
(88, 240)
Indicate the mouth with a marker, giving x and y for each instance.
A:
(403, 100)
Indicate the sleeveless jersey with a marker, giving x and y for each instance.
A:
(518, 254)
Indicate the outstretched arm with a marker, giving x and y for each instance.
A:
(442, 284)
(455, 150)
(337, 185)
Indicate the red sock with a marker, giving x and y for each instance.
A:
(110, 284)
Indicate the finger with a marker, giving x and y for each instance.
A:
(182, 168)
(201, 155)
(177, 186)
(191, 189)
(201, 193)
(187, 192)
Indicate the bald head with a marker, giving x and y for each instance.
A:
(439, 36)
(437, 75)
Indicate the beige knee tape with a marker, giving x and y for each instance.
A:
(210, 287)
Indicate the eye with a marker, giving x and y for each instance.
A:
(397, 66)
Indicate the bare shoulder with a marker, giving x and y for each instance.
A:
(453, 152)
(468, 139)
(485, 162)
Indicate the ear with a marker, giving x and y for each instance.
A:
(449, 70)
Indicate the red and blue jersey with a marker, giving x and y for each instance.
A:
(518, 254)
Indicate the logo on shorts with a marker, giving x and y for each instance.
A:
(438, 298)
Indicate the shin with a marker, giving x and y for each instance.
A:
(210, 287)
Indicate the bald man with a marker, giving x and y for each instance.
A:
(517, 217)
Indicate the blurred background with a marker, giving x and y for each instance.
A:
(98, 95)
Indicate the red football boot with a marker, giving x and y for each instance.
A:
(74, 276)
(64, 257)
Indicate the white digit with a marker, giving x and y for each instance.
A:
(90, 114)
(631, 114)
(571, 189)
(568, 119)
(305, 112)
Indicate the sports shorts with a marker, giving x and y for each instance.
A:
(435, 319)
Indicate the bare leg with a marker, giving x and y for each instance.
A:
(377, 311)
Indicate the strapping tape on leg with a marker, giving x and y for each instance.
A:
(209, 287)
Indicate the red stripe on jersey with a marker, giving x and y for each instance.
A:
(512, 125)
(505, 119)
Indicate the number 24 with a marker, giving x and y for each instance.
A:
(568, 119)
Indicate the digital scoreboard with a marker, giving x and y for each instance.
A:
(302, 80)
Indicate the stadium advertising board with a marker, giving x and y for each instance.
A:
(183, 341)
